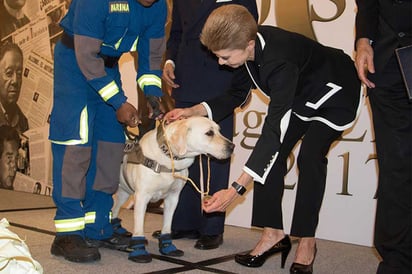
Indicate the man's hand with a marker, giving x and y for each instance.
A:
(127, 114)
(364, 61)
(169, 75)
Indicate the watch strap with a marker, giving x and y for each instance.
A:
(239, 188)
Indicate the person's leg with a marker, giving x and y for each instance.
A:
(267, 198)
(69, 184)
(187, 216)
(267, 204)
(312, 165)
(70, 162)
(392, 115)
(212, 224)
(103, 176)
(189, 220)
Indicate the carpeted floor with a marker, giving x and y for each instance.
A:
(31, 217)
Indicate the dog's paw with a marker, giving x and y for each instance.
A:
(166, 247)
(138, 251)
(138, 256)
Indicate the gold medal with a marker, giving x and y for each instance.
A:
(206, 197)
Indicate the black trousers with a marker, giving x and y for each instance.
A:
(312, 165)
(189, 214)
(392, 113)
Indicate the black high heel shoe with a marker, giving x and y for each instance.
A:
(297, 268)
(283, 246)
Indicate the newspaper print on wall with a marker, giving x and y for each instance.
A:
(26, 91)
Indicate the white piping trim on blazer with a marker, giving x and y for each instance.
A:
(284, 124)
(332, 125)
(262, 41)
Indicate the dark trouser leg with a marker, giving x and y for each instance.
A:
(392, 123)
(267, 198)
(312, 165)
(188, 214)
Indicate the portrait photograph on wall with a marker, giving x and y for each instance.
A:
(29, 30)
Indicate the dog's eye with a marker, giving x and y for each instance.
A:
(210, 133)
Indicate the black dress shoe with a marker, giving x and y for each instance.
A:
(74, 248)
(248, 260)
(297, 268)
(209, 241)
(179, 234)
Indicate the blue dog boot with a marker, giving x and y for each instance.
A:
(138, 251)
(118, 229)
(166, 247)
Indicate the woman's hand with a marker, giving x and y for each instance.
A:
(176, 114)
(183, 113)
(220, 200)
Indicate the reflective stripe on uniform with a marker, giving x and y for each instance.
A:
(90, 217)
(134, 46)
(83, 132)
(115, 46)
(69, 225)
(109, 91)
(149, 80)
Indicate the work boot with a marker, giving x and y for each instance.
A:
(118, 229)
(116, 242)
(74, 248)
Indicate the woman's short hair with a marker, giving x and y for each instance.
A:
(229, 27)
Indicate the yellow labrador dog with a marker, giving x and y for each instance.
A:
(156, 169)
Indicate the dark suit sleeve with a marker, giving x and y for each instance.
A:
(366, 19)
(175, 35)
(251, 6)
(282, 82)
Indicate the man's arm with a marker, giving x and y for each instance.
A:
(366, 28)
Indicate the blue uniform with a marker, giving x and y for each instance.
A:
(87, 140)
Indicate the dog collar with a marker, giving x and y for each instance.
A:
(161, 140)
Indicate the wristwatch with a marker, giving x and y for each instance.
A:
(239, 188)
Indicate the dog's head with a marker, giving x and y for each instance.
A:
(197, 135)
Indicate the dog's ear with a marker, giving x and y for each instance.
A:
(179, 140)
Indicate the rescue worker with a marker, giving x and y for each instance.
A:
(90, 111)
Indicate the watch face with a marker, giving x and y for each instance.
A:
(239, 188)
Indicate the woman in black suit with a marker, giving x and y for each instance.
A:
(314, 93)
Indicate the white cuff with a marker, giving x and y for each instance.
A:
(170, 61)
(208, 110)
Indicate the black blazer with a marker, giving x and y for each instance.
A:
(197, 71)
(301, 77)
(388, 23)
